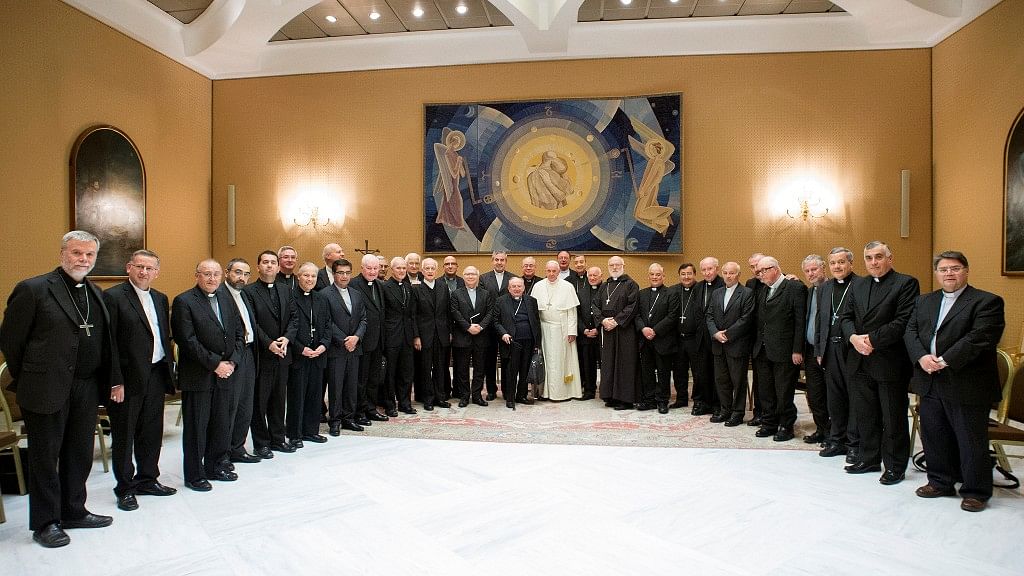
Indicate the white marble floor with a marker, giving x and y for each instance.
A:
(361, 505)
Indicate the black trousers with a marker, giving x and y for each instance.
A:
(465, 357)
(841, 413)
(515, 368)
(776, 388)
(955, 439)
(588, 351)
(137, 429)
(447, 372)
(206, 430)
(704, 389)
(491, 361)
(817, 391)
(305, 381)
(343, 375)
(398, 386)
(687, 361)
(419, 384)
(731, 381)
(881, 407)
(60, 449)
(370, 377)
(432, 370)
(269, 407)
(243, 390)
(655, 374)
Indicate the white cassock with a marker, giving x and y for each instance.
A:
(557, 304)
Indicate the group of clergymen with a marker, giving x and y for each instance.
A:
(261, 357)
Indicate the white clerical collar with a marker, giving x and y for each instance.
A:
(655, 288)
(731, 288)
(211, 294)
(429, 283)
(138, 290)
(954, 295)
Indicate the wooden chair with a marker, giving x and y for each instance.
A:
(174, 399)
(1000, 433)
(102, 429)
(7, 421)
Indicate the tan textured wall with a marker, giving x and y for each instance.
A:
(978, 76)
(65, 72)
(751, 123)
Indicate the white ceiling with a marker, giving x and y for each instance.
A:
(231, 38)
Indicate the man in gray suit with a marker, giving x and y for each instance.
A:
(348, 315)
(730, 321)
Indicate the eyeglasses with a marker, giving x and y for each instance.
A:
(209, 274)
(147, 269)
(240, 273)
(953, 269)
(762, 270)
(342, 272)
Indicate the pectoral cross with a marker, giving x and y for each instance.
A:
(312, 333)
(834, 317)
(86, 325)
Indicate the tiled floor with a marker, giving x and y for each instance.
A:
(388, 506)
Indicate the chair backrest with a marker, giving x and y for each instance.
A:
(7, 419)
(1008, 375)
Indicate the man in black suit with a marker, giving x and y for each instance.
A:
(831, 350)
(517, 321)
(210, 335)
(325, 276)
(276, 325)
(730, 322)
(433, 334)
(371, 375)
(399, 331)
(243, 379)
(588, 330)
(755, 285)
(308, 349)
(705, 393)
(778, 348)
(453, 282)
(140, 322)
(952, 338)
(56, 338)
(496, 283)
(472, 309)
(348, 327)
(287, 260)
(881, 305)
(656, 323)
(529, 275)
(689, 328)
(813, 267)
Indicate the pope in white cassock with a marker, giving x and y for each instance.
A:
(557, 302)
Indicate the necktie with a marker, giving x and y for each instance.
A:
(373, 294)
(216, 309)
(812, 314)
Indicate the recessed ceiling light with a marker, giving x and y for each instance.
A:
(374, 15)
(461, 9)
(626, 2)
(331, 19)
(674, 1)
(417, 12)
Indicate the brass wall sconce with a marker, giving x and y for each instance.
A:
(806, 209)
(312, 219)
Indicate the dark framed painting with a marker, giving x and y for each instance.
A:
(108, 196)
(600, 175)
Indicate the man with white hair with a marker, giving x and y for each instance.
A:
(557, 302)
(588, 331)
(57, 342)
(433, 335)
(529, 276)
(564, 260)
(472, 311)
(325, 277)
(817, 399)
(496, 283)
(705, 393)
(615, 306)
(370, 373)
(412, 268)
(399, 331)
(656, 322)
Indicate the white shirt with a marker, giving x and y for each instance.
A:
(237, 295)
(563, 274)
(146, 298)
(345, 296)
(729, 291)
(948, 300)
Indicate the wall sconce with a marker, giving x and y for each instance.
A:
(805, 208)
(310, 217)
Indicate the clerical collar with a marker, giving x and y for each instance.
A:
(594, 286)
(654, 288)
(137, 289)
(429, 283)
(305, 293)
(267, 284)
(687, 288)
(68, 278)
(843, 280)
(954, 295)
(211, 294)
(516, 298)
(883, 277)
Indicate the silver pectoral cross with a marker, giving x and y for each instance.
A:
(834, 317)
(86, 325)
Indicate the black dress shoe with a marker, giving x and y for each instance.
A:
(862, 468)
(678, 404)
(407, 410)
(90, 520)
(480, 401)
(155, 488)
(662, 407)
(463, 403)
(51, 536)
(263, 453)
(510, 404)
(127, 502)
(363, 421)
(491, 396)
(783, 435)
(734, 421)
(245, 458)
(336, 430)
(315, 438)
(852, 456)
(376, 416)
(227, 465)
(765, 431)
(223, 476)
(645, 406)
(831, 450)
(391, 413)
(428, 407)
(282, 447)
(717, 418)
(816, 438)
(351, 426)
(755, 421)
(201, 485)
(890, 477)
(296, 443)
(442, 404)
(624, 406)
(700, 409)
(611, 403)
(588, 396)
(526, 401)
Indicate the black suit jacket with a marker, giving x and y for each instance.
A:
(885, 322)
(39, 339)
(781, 320)
(399, 313)
(433, 314)
(489, 281)
(737, 319)
(202, 341)
(345, 322)
(505, 321)
(130, 326)
(586, 317)
(464, 313)
(832, 293)
(270, 326)
(459, 283)
(374, 338)
(657, 310)
(966, 340)
(324, 278)
(316, 306)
